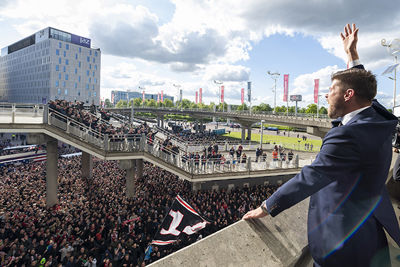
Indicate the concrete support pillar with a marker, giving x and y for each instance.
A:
(130, 179)
(249, 133)
(87, 165)
(158, 121)
(243, 133)
(139, 168)
(196, 186)
(162, 121)
(51, 172)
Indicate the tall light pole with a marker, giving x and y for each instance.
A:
(220, 83)
(179, 95)
(394, 49)
(262, 131)
(143, 98)
(275, 76)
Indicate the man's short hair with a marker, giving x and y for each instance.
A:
(362, 81)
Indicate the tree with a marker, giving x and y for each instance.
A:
(137, 102)
(281, 109)
(222, 106)
(311, 109)
(262, 108)
(108, 103)
(151, 103)
(168, 103)
(323, 110)
(242, 107)
(292, 109)
(121, 104)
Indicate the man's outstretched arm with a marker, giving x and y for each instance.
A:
(350, 39)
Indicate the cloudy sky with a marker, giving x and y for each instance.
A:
(158, 43)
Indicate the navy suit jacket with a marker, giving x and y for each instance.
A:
(346, 183)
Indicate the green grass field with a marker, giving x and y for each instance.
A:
(287, 142)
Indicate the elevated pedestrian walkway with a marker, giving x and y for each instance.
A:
(41, 120)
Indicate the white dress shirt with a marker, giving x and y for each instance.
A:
(349, 116)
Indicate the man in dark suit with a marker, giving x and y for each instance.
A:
(349, 204)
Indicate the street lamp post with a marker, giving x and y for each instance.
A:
(143, 99)
(394, 49)
(262, 131)
(179, 94)
(275, 76)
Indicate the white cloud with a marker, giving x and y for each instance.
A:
(226, 72)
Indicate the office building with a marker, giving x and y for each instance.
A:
(50, 64)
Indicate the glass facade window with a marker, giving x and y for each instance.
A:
(57, 67)
(57, 83)
(93, 60)
(59, 45)
(76, 71)
(79, 78)
(80, 49)
(87, 86)
(95, 53)
(76, 56)
(64, 69)
(79, 64)
(59, 91)
(93, 73)
(76, 85)
(66, 91)
(90, 66)
(59, 76)
(88, 59)
(94, 93)
(95, 67)
(90, 80)
(67, 46)
(59, 60)
(65, 53)
(66, 76)
(79, 93)
(57, 52)
(66, 62)
(64, 84)
(87, 73)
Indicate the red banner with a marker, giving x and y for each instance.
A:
(112, 98)
(316, 89)
(200, 95)
(222, 93)
(158, 97)
(143, 97)
(242, 96)
(197, 97)
(162, 96)
(285, 87)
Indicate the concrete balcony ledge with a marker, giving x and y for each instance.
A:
(260, 242)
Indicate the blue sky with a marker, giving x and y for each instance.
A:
(157, 43)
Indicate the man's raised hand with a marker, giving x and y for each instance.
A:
(350, 39)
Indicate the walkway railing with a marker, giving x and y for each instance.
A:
(27, 114)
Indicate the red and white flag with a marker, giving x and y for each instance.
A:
(197, 96)
(143, 97)
(222, 93)
(201, 95)
(242, 96)
(162, 96)
(285, 87)
(316, 89)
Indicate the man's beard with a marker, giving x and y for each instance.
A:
(334, 111)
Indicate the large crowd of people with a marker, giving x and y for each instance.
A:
(94, 222)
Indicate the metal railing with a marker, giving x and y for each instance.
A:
(138, 143)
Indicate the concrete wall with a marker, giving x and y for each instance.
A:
(233, 183)
(261, 242)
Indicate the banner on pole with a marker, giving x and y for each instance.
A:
(249, 92)
(143, 97)
(316, 89)
(242, 96)
(285, 87)
(162, 96)
(197, 97)
(201, 95)
(158, 98)
(222, 93)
